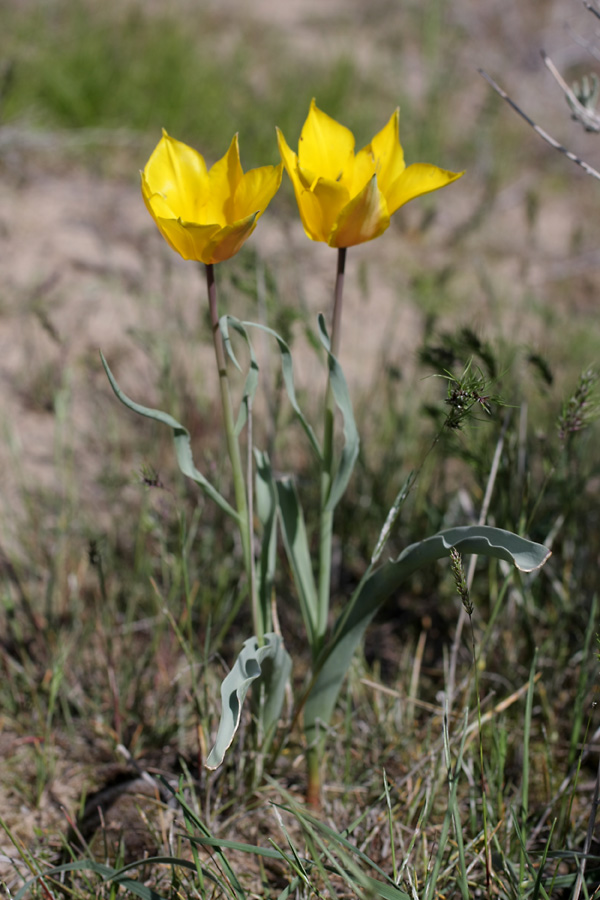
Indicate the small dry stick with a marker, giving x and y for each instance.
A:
(543, 134)
(592, 9)
(588, 117)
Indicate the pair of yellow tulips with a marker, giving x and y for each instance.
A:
(343, 198)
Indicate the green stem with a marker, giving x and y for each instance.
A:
(326, 522)
(233, 447)
(259, 615)
(314, 750)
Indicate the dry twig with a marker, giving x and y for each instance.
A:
(543, 134)
(581, 110)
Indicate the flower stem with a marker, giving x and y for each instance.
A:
(336, 324)
(233, 448)
(326, 524)
(258, 613)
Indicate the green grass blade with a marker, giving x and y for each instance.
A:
(192, 820)
(526, 744)
(533, 874)
(582, 683)
(538, 881)
(107, 873)
(240, 846)
(385, 889)
(451, 811)
(294, 861)
(359, 882)
(306, 818)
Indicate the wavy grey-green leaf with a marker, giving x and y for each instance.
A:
(377, 587)
(247, 668)
(182, 440)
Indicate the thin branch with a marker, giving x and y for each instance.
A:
(583, 42)
(588, 117)
(593, 9)
(543, 134)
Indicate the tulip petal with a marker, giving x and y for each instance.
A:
(360, 172)
(310, 192)
(290, 161)
(178, 173)
(388, 154)
(288, 157)
(325, 146)
(156, 204)
(228, 240)
(364, 218)
(223, 179)
(418, 179)
(320, 206)
(190, 241)
(256, 190)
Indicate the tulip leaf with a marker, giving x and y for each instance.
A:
(295, 541)
(341, 396)
(266, 510)
(275, 676)
(287, 370)
(251, 382)
(377, 586)
(272, 661)
(182, 440)
(250, 386)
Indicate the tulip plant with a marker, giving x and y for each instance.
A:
(344, 198)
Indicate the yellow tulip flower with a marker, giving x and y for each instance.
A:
(346, 198)
(205, 214)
